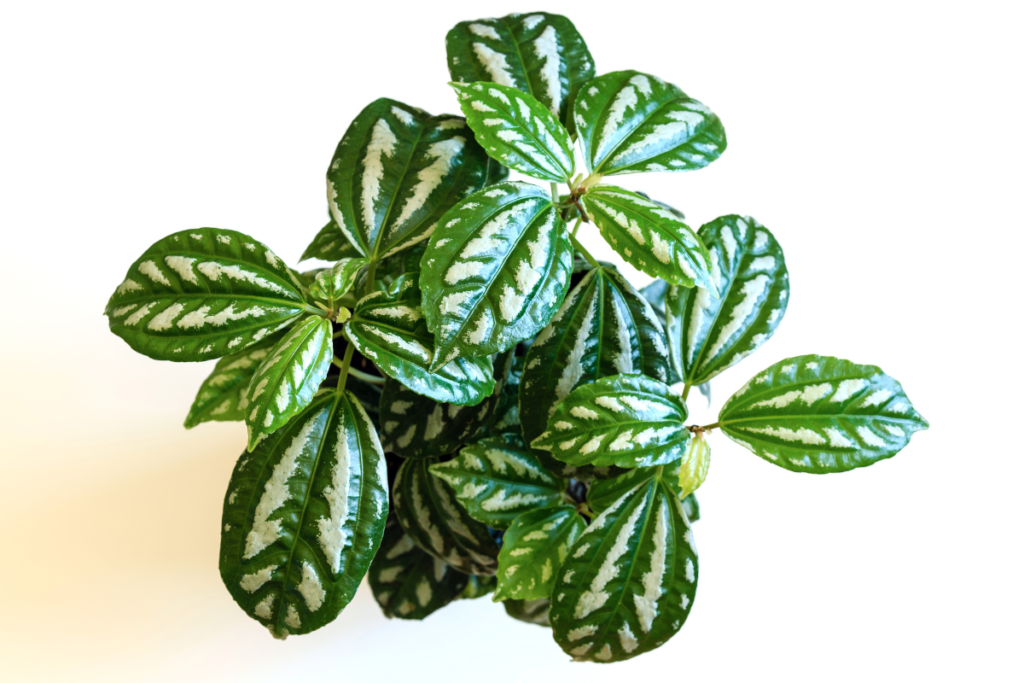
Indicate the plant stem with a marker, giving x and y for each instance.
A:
(366, 377)
(586, 254)
(576, 227)
(686, 390)
(554, 193)
(371, 274)
(337, 334)
(706, 428)
(345, 362)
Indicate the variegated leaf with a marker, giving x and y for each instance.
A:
(506, 411)
(426, 508)
(655, 295)
(396, 171)
(518, 131)
(288, 377)
(388, 327)
(538, 53)
(478, 587)
(202, 294)
(649, 237)
(629, 581)
(499, 478)
(708, 335)
(304, 515)
(603, 328)
(691, 507)
(330, 244)
(332, 284)
(629, 122)
(693, 467)
(409, 583)
(602, 493)
(495, 271)
(533, 549)
(529, 611)
(821, 414)
(623, 420)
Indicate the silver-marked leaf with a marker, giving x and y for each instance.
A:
(330, 244)
(693, 467)
(426, 508)
(709, 335)
(629, 581)
(506, 411)
(496, 173)
(533, 549)
(518, 131)
(288, 377)
(332, 284)
(655, 295)
(477, 587)
(495, 271)
(692, 508)
(624, 420)
(409, 583)
(396, 171)
(529, 611)
(539, 53)
(649, 237)
(498, 479)
(629, 122)
(603, 493)
(304, 515)
(202, 294)
(604, 327)
(388, 327)
(821, 414)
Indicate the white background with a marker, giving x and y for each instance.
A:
(880, 142)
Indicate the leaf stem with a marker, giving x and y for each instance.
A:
(554, 193)
(337, 334)
(586, 254)
(345, 362)
(694, 429)
(686, 390)
(371, 274)
(576, 227)
(365, 376)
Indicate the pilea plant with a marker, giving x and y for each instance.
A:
(467, 402)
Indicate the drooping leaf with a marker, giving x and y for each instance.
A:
(304, 515)
(821, 414)
(693, 467)
(529, 611)
(539, 53)
(533, 549)
(289, 376)
(517, 130)
(330, 244)
(623, 420)
(396, 171)
(478, 587)
(495, 271)
(499, 478)
(709, 335)
(202, 294)
(426, 508)
(629, 122)
(602, 493)
(648, 236)
(629, 581)
(332, 284)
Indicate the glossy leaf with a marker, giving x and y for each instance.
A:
(202, 294)
(821, 414)
(495, 271)
(692, 508)
(655, 295)
(603, 493)
(693, 467)
(533, 549)
(629, 122)
(335, 282)
(330, 244)
(303, 517)
(506, 411)
(222, 395)
(529, 611)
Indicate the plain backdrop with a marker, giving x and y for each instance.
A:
(880, 142)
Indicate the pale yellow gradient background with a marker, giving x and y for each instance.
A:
(881, 142)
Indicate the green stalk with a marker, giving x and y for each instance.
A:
(345, 362)
(586, 254)
(686, 391)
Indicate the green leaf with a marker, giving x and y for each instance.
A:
(708, 335)
(624, 420)
(691, 507)
(821, 414)
(499, 478)
(655, 295)
(629, 581)
(396, 171)
(649, 237)
(494, 272)
(288, 377)
(629, 122)
(478, 587)
(506, 411)
(603, 493)
(539, 53)
(604, 327)
(407, 582)
(517, 130)
(202, 294)
(693, 467)
(304, 515)
(533, 549)
(330, 244)
(426, 508)
(388, 327)
(332, 284)
(705, 390)
(529, 611)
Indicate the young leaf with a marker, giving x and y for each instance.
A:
(529, 611)
(495, 271)
(821, 414)
(629, 581)
(518, 131)
(388, 327)
(330, 244)
(396, 171)
(708, 335)
(693, 467)
(539, 53)
(624, 420)
(649, 237)
(426, 508)
(288, 377)
(629, 122)
(499, 478)
(533, 549)
(202, 294)
(332, 284)
(304, 515)
(603, 328)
